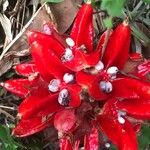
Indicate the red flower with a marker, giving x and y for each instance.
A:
(80, 90)
(144, 68)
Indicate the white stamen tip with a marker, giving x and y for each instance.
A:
(107, 145)
(63, 97)
(54, 85)
(106, 86)
(99, 66)
(70, 42)
(68, 55)
(121, 120)
(68, 77)
(112, 70)
(121, 113)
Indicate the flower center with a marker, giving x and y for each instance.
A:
(64, 97)
(68, 77)
(68, 55)
(106, 86)
(54, 85)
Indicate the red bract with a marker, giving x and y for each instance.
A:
(79, 90)
(144, 68)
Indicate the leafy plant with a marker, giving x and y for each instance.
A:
(6, 140)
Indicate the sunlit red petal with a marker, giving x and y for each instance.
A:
(117, 50)
(50, 61)
(122, 135)
(39, 103)
(53, 65)
(51, 41)
(26, 69)
(82, 31)
(37, 55)
(31, 126)
(91, 140)
(65, 144)
(131, 88)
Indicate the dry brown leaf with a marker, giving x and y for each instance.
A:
(146, 31)
(19, 46)
(65, 13)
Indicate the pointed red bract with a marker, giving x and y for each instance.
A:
(37, 55)
(137, 108)
(117, 49)
(82, 30)
(20, 87)
(26, 69)
(122, 135)
(51, 62)
(55, 45)
(31, 126)
(131, 88)
(39, 103)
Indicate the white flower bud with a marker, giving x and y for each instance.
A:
(68, 77)
(70, 42)
(54, 85)
(106, 86)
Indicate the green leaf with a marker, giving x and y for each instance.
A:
(113, 7)
(108, 22)
(144, 137)
(54, 1)
(147, 1)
